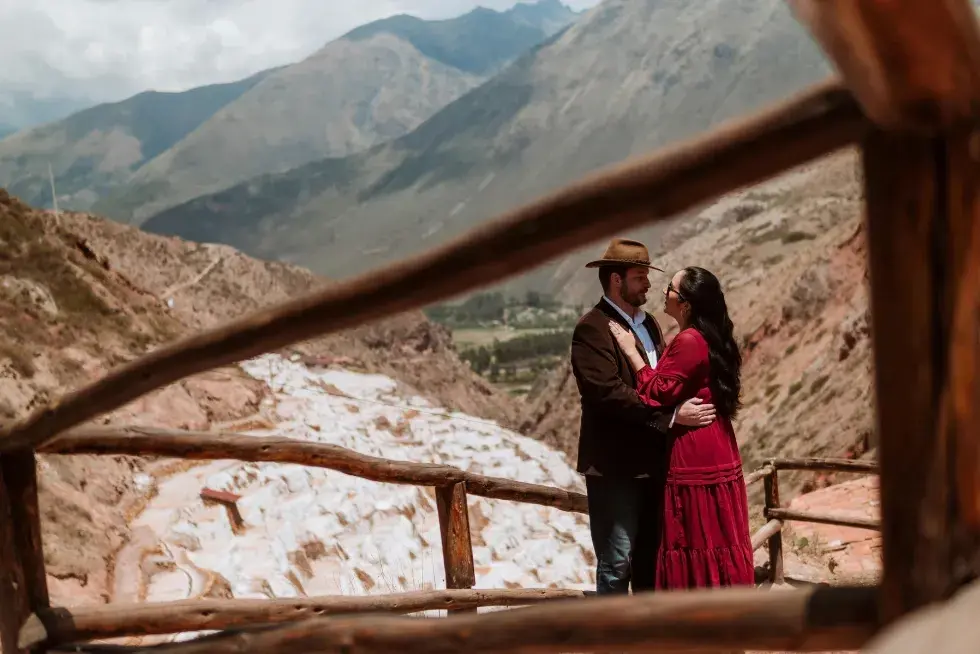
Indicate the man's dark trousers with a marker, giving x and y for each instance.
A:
(625, 520)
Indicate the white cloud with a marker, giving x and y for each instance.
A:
(112, 48)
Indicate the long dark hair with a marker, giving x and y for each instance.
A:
(709, 315)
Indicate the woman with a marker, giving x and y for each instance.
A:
(706, 540)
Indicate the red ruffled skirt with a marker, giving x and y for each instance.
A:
(705, 539)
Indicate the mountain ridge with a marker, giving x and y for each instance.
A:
(101, 146)
(372, 85)
(457, 42)
(625, 78)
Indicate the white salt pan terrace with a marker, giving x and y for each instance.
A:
(312, 532)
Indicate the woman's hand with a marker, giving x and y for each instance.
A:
(624, 337)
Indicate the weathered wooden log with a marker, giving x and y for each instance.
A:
(775, 539)
(454, 528)
(57, 626)
(22, 576)
(923, 221)
(14, 605)
(826, 465)
(205, 445)
(653, 188)
(912, 64)
(518, 491)
(766, 532)
(824, 518)
(756, 476)
(817, 619)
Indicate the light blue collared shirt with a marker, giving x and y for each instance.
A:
(641, 331)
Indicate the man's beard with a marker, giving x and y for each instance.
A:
(633, 299)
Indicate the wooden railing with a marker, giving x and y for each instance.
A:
(771, 533)
(59, 627)
(914, 70)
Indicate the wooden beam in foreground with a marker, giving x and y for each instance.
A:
(23, 583)
(912, 64)
(948, 628)
(812, 620)
(649, 189)
(58, 626)
(14, 605)
(923, 219)
(210, 446)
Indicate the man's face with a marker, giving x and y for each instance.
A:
(634, 286)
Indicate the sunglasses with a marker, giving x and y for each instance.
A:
(670, 289)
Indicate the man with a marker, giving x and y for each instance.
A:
(622, 441)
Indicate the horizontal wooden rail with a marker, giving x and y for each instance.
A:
(766, 532)
(813, 620)
(756, 476)
(814, 123)
(851, 578)
(212, 446)
(825, 465)
(824, 518)
(60, 625)
(912, 64)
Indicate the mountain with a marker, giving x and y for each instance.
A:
(629, 76)
(550, 16)
(374, 84)
(479, 42)
(98, 148)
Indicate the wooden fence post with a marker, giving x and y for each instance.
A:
(23, 585)
(457, 548)
(13, 598)
(923, 218)
(771, 485)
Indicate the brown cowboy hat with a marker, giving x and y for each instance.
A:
(624, 252)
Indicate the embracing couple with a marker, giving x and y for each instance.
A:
(667, 501)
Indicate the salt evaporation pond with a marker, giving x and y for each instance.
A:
(318, 532)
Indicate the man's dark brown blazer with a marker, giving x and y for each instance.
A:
(620, 435)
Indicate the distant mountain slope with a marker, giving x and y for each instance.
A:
(627, 77)
(20, 108)
(375, 84)
(98, 148)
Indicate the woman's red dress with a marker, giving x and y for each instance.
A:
(706, 540)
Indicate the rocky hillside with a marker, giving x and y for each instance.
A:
(97, 149)
(628, 76)
(372, 85)
(81, 295)
(792, 260)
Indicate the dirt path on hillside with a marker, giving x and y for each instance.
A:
(216, 259)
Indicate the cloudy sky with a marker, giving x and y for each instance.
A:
(110, 49)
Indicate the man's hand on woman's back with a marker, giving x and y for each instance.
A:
(695, 413)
